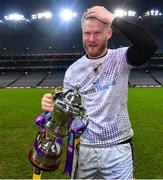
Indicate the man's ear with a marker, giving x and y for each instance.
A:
(110, 32)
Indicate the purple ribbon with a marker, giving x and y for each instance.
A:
(75, 127)
(40, 120)
(70, 153)
(39, 152)
(59, 140)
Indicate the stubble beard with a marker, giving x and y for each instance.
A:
(95, 54)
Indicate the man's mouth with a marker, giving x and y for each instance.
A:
(92, 45)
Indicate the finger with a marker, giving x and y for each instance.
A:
(90, 14)
(93, 9)
(95, 15)
(47, 100)
(47, 104)
(48, 109)
(49, 96)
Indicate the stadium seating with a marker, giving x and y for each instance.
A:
(142, 78)
(29, 79)
(6, 79)
(137, 78)
(158, 76)
(53, 79)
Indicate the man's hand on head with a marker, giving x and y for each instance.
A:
(101, 14)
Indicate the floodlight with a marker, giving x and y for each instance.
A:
(120, 12)
(1, 21)
(131, 13)
(147, 13)
(153, 13)
(45, 15)
(14, 17)
(156, 12)
(34, 16)
(67, 14)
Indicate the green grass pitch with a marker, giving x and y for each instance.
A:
(19, 107)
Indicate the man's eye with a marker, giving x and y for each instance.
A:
(86, 33)
(98, 33)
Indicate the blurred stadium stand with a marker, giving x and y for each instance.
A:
(47, 70)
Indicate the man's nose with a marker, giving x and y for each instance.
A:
(92, 37)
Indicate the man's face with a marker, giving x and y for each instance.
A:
(95, 37)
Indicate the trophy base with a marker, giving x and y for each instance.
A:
(43, 163)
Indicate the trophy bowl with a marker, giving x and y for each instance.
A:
(45, 153)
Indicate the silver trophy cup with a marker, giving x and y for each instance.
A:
(47, 150)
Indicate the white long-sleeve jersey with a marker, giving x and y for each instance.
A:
(103, 85)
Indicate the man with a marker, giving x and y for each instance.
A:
(102, 78)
